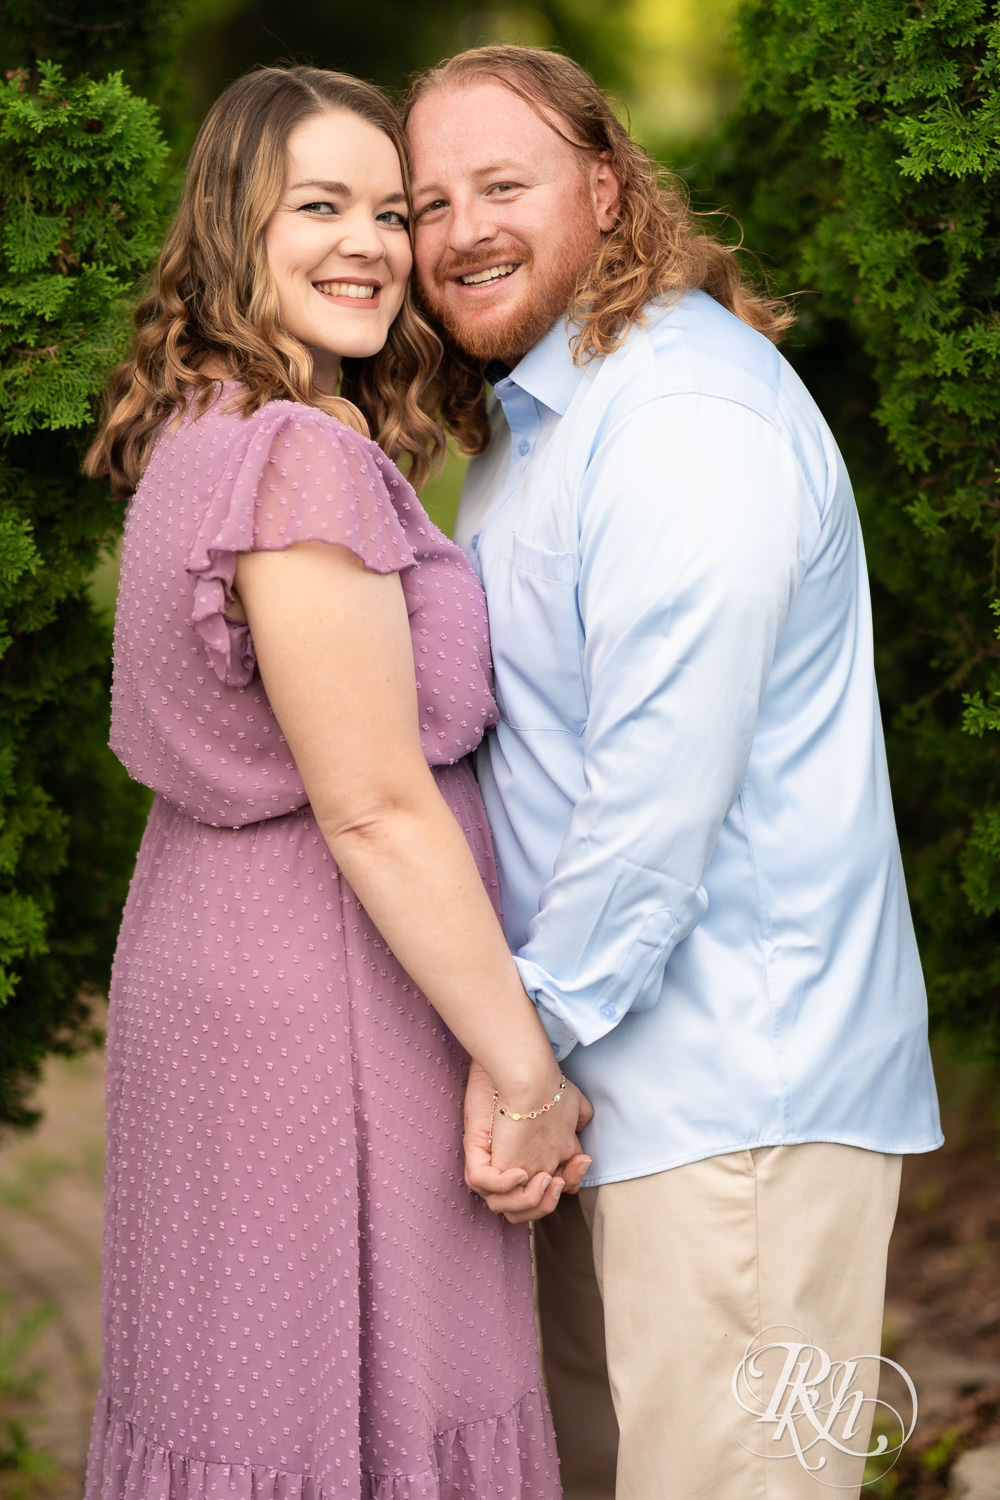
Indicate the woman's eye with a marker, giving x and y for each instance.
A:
(322, 208)
(394, 219)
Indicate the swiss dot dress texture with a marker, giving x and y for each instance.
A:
(302, 1301)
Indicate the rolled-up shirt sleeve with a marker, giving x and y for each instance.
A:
(696, 521)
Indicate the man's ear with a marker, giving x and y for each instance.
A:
(606, 192)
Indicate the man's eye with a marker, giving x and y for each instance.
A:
(504, 187)
(432, 207)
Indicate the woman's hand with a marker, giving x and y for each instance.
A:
(532, 1162)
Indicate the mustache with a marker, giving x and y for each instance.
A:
(463, 265)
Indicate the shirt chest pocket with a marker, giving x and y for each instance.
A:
(537, 637)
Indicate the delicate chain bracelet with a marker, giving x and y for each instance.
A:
(528, 1114)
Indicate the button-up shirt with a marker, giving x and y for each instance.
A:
(688, 792)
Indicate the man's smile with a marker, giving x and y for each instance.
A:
(483, 277)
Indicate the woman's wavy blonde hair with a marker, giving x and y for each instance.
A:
(656, 249)
(213, 301)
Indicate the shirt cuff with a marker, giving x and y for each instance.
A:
(559, 1034)
(562, 1039)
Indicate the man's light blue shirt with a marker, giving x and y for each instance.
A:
(688, 792)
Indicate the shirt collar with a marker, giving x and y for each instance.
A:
(547, 371)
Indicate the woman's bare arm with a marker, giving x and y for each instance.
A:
(333, 647)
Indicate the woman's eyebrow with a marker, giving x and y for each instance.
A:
(328, 187)
(340, 189)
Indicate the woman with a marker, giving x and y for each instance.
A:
(301, 1298)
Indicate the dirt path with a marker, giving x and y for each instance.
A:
(50, 1258)
(942, 1315)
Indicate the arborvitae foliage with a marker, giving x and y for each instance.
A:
(869, 156)
(79, 167)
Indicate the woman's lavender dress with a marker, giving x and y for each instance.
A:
(302, 1301)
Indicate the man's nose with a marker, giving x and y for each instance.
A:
(472, 225)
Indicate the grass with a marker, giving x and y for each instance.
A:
(29, 1180)
(25, 1472)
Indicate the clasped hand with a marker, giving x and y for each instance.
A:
(532, 1162)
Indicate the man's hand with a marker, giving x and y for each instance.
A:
(512, 1192)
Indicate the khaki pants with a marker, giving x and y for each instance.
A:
(692, 1265)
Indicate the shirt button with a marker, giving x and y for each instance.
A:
(523, 447)
(609, 1011)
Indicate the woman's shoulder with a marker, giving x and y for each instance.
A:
(285, 454)
(290, 425)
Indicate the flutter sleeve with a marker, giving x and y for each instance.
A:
(296, 475)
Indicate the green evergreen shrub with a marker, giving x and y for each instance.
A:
(865, 163)
(79, 168)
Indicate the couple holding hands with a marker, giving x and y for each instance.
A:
(697, 1041)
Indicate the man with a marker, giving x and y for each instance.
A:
(687, 789)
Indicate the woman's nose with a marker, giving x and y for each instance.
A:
(359, 235)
